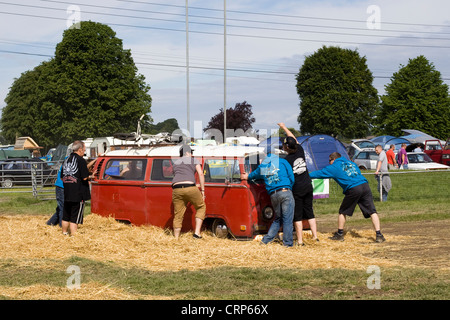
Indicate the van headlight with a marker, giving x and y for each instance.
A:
(446, 156)
(267, 213)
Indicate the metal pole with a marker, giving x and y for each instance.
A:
(381, 187)
(224, 71)
(188, 120)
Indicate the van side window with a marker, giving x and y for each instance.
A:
(218, 170)
(162, 170)
(125, 169)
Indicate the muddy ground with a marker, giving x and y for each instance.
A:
(430, 246)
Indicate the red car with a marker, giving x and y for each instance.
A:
(437, 152)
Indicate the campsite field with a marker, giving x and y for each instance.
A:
(116, 261)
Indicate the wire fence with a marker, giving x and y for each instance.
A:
(406, 184)
(38, 178)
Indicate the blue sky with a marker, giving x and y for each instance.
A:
(267, 42)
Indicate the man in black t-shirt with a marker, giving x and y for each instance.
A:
(302, 189)
(75, 174)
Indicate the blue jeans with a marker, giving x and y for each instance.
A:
(57, 216)
(283, 204)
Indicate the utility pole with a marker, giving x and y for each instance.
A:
(224, 70)
(188, 118)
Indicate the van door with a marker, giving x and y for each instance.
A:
(121, 190)
(226, 197)
(159, 196)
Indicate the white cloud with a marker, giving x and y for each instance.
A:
(272, 95)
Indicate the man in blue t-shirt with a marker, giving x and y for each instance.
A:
(356, 189)
(278, 178)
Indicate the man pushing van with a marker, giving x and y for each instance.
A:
(185, 191)
(74, 174)
(279, 179)
(356, 189)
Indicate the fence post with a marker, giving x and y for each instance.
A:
(33, 180)
(381, 187)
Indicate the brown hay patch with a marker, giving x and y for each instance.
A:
(29, 239)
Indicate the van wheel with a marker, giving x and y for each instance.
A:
(219, 228)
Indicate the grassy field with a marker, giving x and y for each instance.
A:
(125, 262)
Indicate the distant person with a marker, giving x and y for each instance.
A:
(382, 173)
(302, 189)
(132, 171)
(392, 164)
(56, 218)
(184, 190)
(278, 178)
(356, 189)
(75, 175)
(402, 157)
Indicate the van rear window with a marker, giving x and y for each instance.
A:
(125, 169)
(162, 170)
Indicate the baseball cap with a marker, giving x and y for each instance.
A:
(290, 142)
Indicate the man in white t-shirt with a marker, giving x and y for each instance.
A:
(382, 172)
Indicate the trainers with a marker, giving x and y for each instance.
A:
(337, 237)
(197, 237)
(380, 238)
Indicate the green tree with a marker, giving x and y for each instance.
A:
(336, 94)
(168, 125)
(90, 88)
(416, 98)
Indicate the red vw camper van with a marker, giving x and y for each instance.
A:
(134, 186)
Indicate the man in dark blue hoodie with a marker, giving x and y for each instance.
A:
(356, 189)
(278, 178)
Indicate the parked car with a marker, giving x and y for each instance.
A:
(437, 152)
(421, 161)
(366, 160)
(18, 172)
(358, 145)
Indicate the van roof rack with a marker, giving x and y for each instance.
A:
(150, 139)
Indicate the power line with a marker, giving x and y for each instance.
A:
(196, 67)
(243, 35)
(282, 15)
(242, 20)
(26, 53)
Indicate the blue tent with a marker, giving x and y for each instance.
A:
(397, 142)
(386, 141)
(318, 148)
(381, 140)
